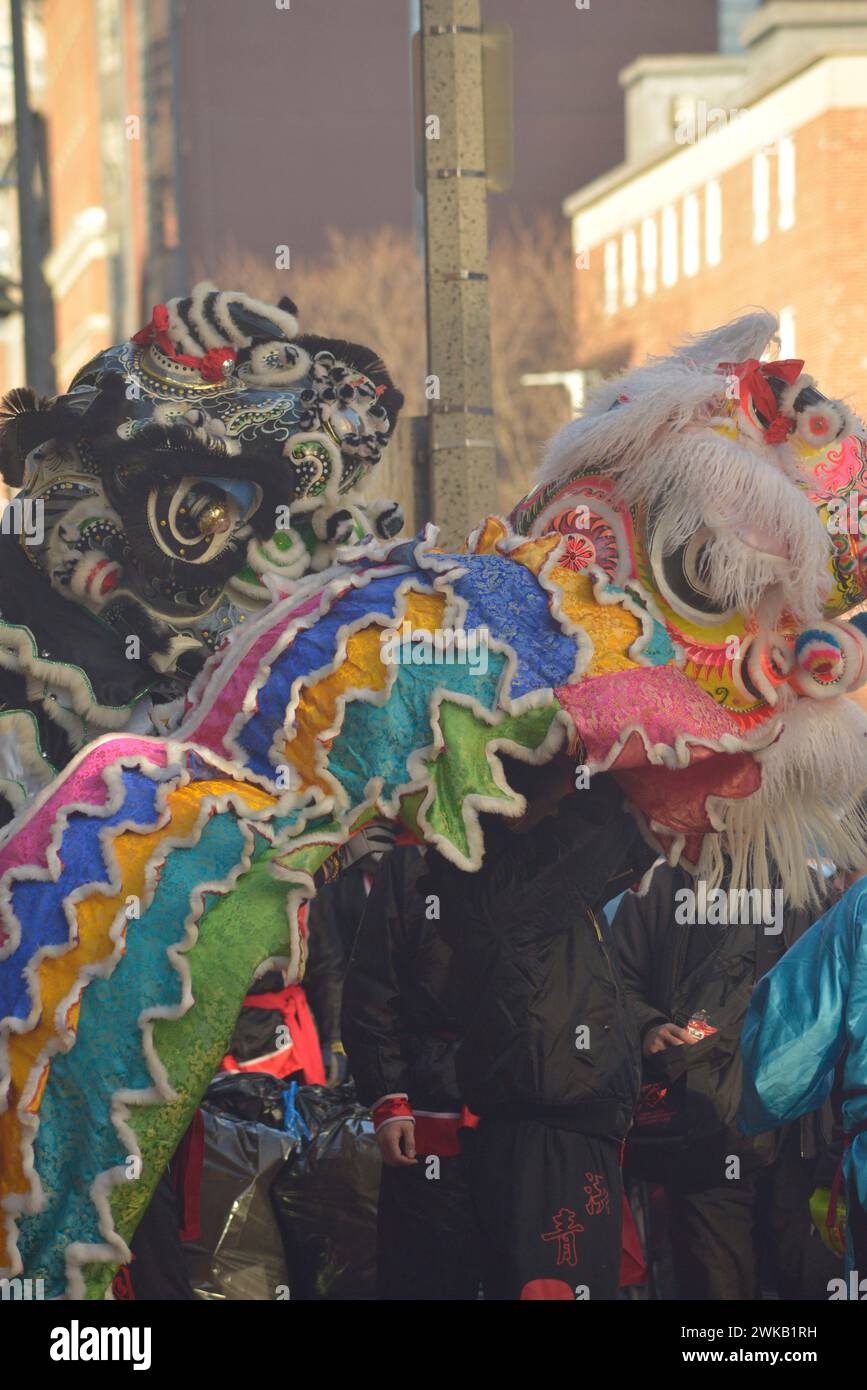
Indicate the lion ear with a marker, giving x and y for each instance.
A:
(26, 419)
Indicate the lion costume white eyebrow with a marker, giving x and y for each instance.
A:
(650, 431)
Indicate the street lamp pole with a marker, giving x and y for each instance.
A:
(460, 436)
(37, 306)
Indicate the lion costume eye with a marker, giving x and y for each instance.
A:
(682, 578)
(194, 519)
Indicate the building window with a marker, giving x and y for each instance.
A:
(761, 197)
(630, 269)
(611, 278)
(787, 332)
(713, 223)
(648, 254)
(669, 246)
(691, 252)
(786, 182)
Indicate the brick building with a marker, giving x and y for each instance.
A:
(741, 187)
(11, 327)
(76, 268)
(101, 77)
(97, 124)
(11, 324)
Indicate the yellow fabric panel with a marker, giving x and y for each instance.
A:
(490, 536)
(611, 628)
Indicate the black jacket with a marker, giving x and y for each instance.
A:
(332, 922)
(398, 1031)
(659, 957)
(671, 969)
(540, 1005)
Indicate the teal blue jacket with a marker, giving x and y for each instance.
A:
(806, 1016)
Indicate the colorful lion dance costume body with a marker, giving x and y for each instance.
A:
(217, 665)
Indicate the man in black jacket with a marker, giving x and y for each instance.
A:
(729, 1197)
(549, 1058)
(333, 918)
(400, 1040)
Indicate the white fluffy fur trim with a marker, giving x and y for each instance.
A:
(182, 339)
(808, 806)
(204, 328)
(281, 318)
(23, 765)
(791, 393)
(257, 372)
(18, 652)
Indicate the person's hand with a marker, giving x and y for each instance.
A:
(389, 1137)
(665, 1035)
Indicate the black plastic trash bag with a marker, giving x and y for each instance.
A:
(240, 1254)
(256, 1097)
(326, 1194)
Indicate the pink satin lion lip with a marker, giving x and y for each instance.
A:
(669, 745)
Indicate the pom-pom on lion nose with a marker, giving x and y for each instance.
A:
(821, 656)
(821, 426)
(829, 660)
(816, 419)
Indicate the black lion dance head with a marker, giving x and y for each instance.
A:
(184, 478)
(183, 468)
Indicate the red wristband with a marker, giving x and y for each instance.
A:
(391, 1108)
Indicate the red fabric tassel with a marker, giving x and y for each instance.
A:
(210, 366)
(437, 1134)
(187, 1177)
(633, 1269)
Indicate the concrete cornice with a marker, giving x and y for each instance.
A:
(687, 63)
(798, 14)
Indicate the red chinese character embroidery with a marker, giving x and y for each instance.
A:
(564, 1232)
(598, 1199)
